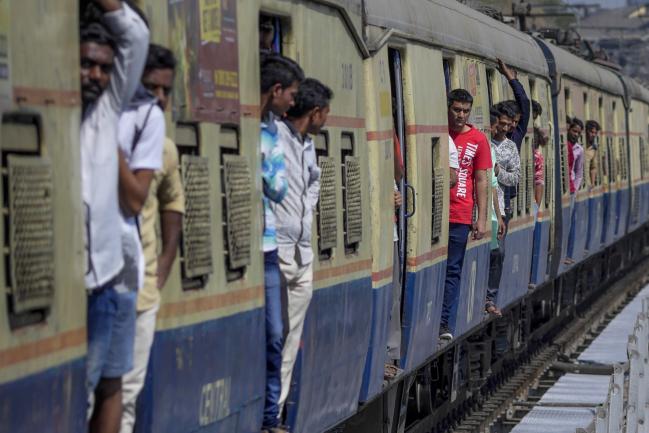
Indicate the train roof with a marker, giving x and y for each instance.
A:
(579, 69)
(635, 90)
(449, 24)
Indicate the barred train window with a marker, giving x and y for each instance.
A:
(28, 221)
(437, 190)
(352, 200)
(326, 214)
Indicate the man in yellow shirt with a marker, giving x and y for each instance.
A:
(166, 204)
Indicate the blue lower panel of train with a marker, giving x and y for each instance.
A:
(566, 213)
(624, 202)
(422, 309)
(208, 377)
(595, 224)
(516, 267)
(473, 288)
(327, 384)
(376, 352)
(580, 229)
(540, 252)
(52, 400)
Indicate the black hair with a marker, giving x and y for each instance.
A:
(493, 116)
(459, 95)
(160, 57)
(504, 109)
(311, 94)
(277, 69)
(592, 124)
(512, 105)
(574, 121)
(537, 110)
(97, 33)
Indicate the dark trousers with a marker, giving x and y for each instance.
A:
(458, 235)
(274, 338)
(496, 259)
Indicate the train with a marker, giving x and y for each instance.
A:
(390, 65)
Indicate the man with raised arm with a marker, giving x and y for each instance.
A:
(114, 41)
(475, 159)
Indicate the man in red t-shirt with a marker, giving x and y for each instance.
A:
(475, 159)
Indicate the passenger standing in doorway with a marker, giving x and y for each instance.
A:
(576, 168)
(114, 41)
(520, 105)
(497, 222)
(540, 140)
(280, 79)
(592, 144)
(165, 204)
(475, 159)
(295, 214)
(507, 169)
(392, 369)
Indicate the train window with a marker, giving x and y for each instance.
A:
(520, 195)
(28, 220)
(448, 74)
(549, 170)
(196, 262)
(438, 192)
(567, 102)
(529, 178)
(565, 172)
(326, 215)
(236, 202)
(623, 159)
(271, 33)
(586, 107)
(352, 205)
(490, 85)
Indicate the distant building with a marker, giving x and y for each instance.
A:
(623, 33)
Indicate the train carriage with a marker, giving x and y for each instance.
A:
(42, 307)
(390, 68)
(576, 85)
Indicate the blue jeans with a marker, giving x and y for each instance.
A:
(496, 259)
(573, 222)
(111, 334)
(458, 235)
(274, 338)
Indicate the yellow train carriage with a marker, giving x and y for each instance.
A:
(42, 309)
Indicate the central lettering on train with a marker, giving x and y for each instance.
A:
(215, 401)
(463, 172)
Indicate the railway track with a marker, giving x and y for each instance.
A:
(498, 408)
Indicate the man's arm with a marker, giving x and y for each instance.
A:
(171, 198)
(133, 187)
(132, 39)
(521, 99)
(481, 188)
(496, 205)
(452, 176)
(313, 192)
(593, 169)
(171, 224)
(579, 170)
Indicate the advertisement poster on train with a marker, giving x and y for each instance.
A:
(5, 78)
(207, 83)
(472, 80)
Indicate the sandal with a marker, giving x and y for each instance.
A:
(491, 308)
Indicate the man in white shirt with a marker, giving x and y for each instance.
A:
(114, 41)
(142, 143)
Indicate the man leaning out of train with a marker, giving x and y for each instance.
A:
(165, 203)
(576, 167)
(592, 143)
(295, 212)
(520, 105)
(475, 159)
(114, 41)
(280, 78)
(497, 217)
(507, 169)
